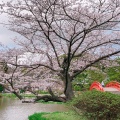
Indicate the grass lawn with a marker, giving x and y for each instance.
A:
(11, 95)
(71, 115)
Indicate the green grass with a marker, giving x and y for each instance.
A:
(49, 102)
(42, 92)
(71, 115)
(11, 95)
(28, 95)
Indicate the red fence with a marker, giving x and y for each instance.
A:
(114, 84)
(96, 85)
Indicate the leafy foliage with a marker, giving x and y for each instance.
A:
(96, 75)
(98, 105)
(1, 88)
(77, 87)
(114, 73)
(84, 80)
(118, 60)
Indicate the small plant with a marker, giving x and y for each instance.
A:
(98, 105)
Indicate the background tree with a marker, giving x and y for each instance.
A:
(82, 32)
(113, 73)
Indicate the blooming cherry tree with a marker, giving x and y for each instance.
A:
(70, 35)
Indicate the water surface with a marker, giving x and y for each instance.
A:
(13, 109)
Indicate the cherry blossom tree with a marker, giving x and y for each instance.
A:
(68, 35)
(17, 74)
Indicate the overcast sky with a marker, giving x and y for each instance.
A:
(6, 36)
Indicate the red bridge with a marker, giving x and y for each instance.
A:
(111, 87)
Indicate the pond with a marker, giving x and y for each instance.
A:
(14, 109)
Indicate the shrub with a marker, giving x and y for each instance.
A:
(1, 88)
(77, 88)
(98, 105)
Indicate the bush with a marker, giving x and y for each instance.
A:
(98, 105)
(1, 88)
(77, 88)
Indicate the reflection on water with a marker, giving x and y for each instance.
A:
(13, 109)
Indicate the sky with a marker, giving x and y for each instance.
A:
(6, 36)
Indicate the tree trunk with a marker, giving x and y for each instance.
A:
(53, 97)
(19, 96)
(47, 98)
(68, 90)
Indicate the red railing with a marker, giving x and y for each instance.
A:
(96, 85)
(114, 84)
